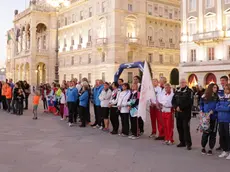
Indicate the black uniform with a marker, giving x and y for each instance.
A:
(20, 99)
(183, 99)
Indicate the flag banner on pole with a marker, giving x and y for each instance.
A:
(8, 38)
(147, 93)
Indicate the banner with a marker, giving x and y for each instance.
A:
(147, 93)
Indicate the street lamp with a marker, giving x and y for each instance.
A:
(57, 4)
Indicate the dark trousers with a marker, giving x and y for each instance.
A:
(14, 105)
(83, 115)
(8, 101)
(62, 110)
(114, 114)
(4, 104)
(45, 106)
(88, 113)
(99, 116)
(72, 114)
(57, 106)
(134, 126)
(210, 136)
(183, 128)
(141, 124)
(26, 101)
(224, 129)
(125, 123)
(19, 108)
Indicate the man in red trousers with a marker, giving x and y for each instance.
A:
(156, 113)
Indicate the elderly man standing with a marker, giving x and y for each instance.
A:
(182, 103)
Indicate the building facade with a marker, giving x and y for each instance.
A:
(31, 44)
(205, 46)
(94, 38)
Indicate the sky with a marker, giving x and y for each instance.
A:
(7, 8)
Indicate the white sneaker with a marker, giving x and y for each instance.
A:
(170, 143)
(165, 142)
(135, 137)
(101, 128)
(62, 119)
(152, 136)
(228, 157)
(70, 124)
(223, 154)
(130, 137)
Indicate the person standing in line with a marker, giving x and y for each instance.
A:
(161, 135)
(20, 101)
(93, 98)
(62, 103)
(124, 109)
(83, 104)
(8, 97)
(182, 103)
(137, 80)
(72, 96)
(15, 99)
(120, 83)
(0, 95)
(133, 103)
(208, 104)
(114, 116)
(223, 109)
(4, 89)
(167, 114)
(104, 97)
(153, 110)
(36, 100)
(27, 91)
(223, 83)
(99, 123)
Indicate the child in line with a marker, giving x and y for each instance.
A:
(35, 104)
(62, 103)
(20, 100)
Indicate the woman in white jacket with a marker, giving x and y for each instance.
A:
(123, 107)
(113, 108)
(104, 98)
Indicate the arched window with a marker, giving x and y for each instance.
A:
(192, 80)
(161, 35)
(171, 37)
(210, 78)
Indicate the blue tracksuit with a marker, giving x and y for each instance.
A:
(209, 105)
(223, 109)
(221, 93)
(96, 93)
(84, 99)
(72, 94)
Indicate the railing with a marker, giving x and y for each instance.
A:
(79, 46)
(133, 40)
(171, 45)
(150, 43)
(208, 35)
(101, 41)
(89, 44)
(161, 44)
(71, 48)
(42, 52)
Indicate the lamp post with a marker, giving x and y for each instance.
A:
(57, 4)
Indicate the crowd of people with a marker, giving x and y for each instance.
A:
(119, 101)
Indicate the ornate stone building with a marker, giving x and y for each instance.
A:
(205, 47)
(31, 44)
(94, 38)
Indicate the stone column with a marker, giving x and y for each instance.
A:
(219, 16)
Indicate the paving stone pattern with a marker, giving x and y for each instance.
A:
(49, 145)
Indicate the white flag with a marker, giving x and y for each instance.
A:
(147, 93)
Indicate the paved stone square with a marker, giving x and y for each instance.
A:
(49, 145)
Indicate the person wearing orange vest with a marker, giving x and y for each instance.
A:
(8, 95)
(4, 85)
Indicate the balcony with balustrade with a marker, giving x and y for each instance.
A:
(208, 37)
(133, 42)
(101, 42)
(42, 52)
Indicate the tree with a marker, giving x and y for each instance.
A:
(174, 77)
